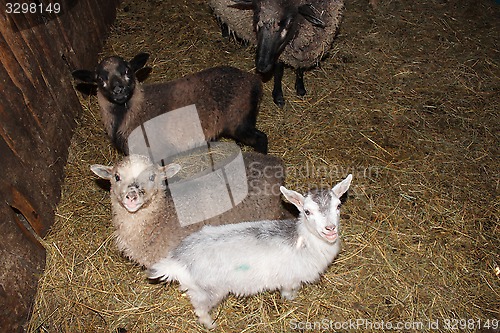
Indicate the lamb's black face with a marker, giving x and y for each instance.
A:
(116, 80)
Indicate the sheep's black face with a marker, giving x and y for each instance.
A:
(275, 27)
(116, 80)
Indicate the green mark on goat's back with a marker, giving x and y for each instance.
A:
(243, 267)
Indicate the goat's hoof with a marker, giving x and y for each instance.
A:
(208, 323)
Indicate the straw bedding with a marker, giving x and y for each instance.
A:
(407, 102)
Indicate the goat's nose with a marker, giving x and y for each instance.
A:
(330, 227)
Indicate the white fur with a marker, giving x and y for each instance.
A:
(250, 257)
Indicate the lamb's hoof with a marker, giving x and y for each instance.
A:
(261, 149)
(261, 142)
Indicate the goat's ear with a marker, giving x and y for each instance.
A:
(342, 187)
(170, 170)
(105, 172)
(139, 61)
(309, 14)
(243, 3)
(84, 75)
(294, 197)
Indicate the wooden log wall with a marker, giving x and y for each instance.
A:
(39, 47)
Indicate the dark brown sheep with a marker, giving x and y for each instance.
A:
(292, 32)
(226, 98)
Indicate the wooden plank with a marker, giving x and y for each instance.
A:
(22, 192)
(42, 51)
(82, 20)
(38, 106)
(15, 128)
(21, 264)
(25, 137)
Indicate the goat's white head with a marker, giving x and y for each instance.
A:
(320, 209)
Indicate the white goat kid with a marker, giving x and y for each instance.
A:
(250, 257)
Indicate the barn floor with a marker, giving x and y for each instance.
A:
(407, 102)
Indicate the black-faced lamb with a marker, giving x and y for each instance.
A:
(250, 257)
(293, 32)
(227, 100)
(144, 214)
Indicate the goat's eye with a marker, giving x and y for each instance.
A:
(152, 177)
(307, 212)
(117, 177)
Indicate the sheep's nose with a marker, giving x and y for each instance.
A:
(263, 67)
(132, 195)
(118, 89)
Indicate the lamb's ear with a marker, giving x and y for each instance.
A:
(84, 75)
(294, 197)
(142, 74)
(308, 12)
(138, 61)
(342, 187)
(170, 170)
(105, 172)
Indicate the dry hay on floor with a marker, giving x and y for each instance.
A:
(407, 101)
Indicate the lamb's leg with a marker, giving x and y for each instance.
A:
(278, 89)
(250, 136)
(261, 141)
(224, 29)
(299, 82)
(202, 303)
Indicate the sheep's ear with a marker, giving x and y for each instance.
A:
(143, 73)
(138, 61)
(102, 171)
(294, 197)
(170, 170)
(342, 187)
(309, 14)
(84, 75)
